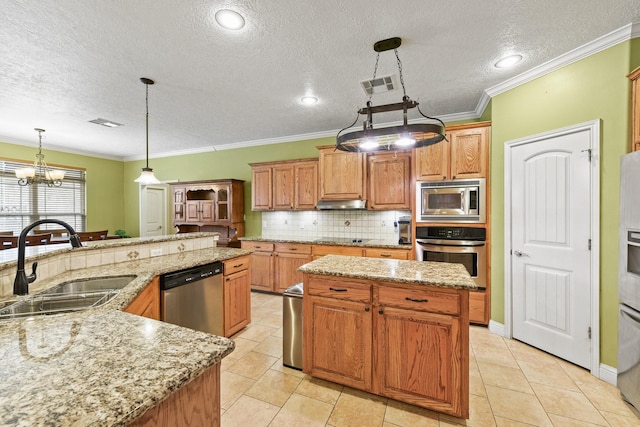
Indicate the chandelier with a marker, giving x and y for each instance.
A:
(390, 138)
(146, 176)
(40, 172)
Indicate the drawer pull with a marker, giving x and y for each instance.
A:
(238, 265)
(293, 249)
(338, 289)
(416, 300)
(257, 247)
(385, 255)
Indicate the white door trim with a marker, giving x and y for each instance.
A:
(142, 208)
(593, 127)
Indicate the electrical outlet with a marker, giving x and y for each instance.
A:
(155, 252)
(264, 224)
(302, 226)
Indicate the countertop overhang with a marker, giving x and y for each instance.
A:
(440, 274)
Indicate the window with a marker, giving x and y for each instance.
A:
(22, 205)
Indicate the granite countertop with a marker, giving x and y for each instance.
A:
(441, 274)
(103, 366)
(334, 241)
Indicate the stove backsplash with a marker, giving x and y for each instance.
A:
(351, 224)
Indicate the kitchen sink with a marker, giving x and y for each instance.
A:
(68, 297)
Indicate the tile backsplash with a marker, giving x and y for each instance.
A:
(311, 225)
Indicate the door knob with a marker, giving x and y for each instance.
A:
(518, 253)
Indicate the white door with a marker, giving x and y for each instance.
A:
(153, 211)
(551, 275)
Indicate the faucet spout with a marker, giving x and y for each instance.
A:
(21, 282)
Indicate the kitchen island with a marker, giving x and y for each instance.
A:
(106, 367)
(395, 328)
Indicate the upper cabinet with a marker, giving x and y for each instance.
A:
(635, 109)
(342, 174)
(216, 205)
(389, 176)
(464, 155)
(286, 185)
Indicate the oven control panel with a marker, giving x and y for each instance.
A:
(451, 233)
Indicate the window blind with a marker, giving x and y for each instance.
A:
(22, 205)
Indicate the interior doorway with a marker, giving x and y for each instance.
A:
(551, 242)
(153, 210)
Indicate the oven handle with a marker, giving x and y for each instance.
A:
(452, 242)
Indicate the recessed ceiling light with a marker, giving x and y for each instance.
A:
(229, 19)
(508, 61)
(308, 100)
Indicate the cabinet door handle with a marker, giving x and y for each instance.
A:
(338, 289)
(228, 279)
(444, 177)
(416, 300)
(367, 308)
(381, 311)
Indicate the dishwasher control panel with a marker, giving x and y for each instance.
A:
(182, 277)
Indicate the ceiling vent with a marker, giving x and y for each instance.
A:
(105, 122)
(379, 85)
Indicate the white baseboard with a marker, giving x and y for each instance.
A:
(608, 374)
(496, 328)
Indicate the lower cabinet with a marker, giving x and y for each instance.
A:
(147, 303)
(402, 342)
(237, 294)
(261, 265)
(288, 257)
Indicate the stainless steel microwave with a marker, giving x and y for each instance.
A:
(462, 200)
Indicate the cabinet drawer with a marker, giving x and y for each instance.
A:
(386, 253)
(350, 291)
(235, 264)
(420, 300)
(293, 248)
(257, 246)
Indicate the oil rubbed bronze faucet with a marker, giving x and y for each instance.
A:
(21, 282)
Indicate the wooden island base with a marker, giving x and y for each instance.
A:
(408, 342)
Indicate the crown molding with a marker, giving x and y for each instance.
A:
(53, 147)
(608, 40)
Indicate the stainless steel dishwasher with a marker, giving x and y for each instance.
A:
(193, 298)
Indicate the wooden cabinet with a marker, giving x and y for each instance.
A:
(215, 205)
(342, 174)
(288, 257)
(464, 155)
(389, 180)
(409, 343)
(147, 303)
(261, 264)
(635, 109)
(322, 250)
(387, 253)
(237, 294)
(286, 185)
(338, 331)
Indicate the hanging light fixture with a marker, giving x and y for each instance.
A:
(40, 172)
(391, 138)
(147, 177)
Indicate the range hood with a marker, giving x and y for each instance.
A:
(341, 204)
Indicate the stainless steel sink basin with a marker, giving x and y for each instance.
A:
(67, 297)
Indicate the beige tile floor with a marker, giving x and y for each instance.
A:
(510, 383)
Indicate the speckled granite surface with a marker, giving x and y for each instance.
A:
(332, 242)
(102, 366)
(439, 274)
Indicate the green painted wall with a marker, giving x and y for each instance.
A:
(105, 204)
(215, 165)
(593, 88)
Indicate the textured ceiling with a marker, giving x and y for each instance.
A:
(65, 62)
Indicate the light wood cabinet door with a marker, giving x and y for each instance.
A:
(341, 174)
(432, 161)
(469, 155)
(237, 302)
(179, 200)
(635, 109)
(339, 333)
(262, 187)
(288, 257)
(306, 186)
(418, 356)
(387, 253)
(389, 177)
(283, 186)
(147, 303)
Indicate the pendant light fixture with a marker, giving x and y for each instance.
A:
(391, 138)
(40, 172)
(147, 177)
